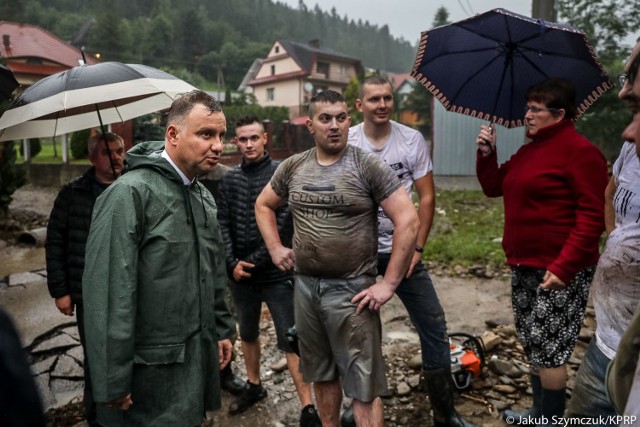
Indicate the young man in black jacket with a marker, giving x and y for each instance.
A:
(254, 278)
(67, 233)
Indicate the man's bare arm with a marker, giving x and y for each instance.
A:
(426, 208)
(266, 205)
(399, 208)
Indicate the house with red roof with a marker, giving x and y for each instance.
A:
(32, 53)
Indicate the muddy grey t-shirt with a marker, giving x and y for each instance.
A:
(335, 210)
(616, 284)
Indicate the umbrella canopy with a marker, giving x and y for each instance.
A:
(8, 82)
(89, 96)
(482, 66)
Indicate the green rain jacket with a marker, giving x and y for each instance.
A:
(153, 289)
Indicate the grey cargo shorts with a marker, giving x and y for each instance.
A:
(334, 341)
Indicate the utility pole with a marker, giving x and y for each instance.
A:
(544, 9)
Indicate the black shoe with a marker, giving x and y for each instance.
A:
(309, 417)
(229, 382)
(251, 394)
(347, 419)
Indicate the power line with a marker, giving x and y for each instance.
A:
(464, 9)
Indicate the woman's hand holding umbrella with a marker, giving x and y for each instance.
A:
(486, 140)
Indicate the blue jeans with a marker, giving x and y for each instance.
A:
(589, 397)
(421, 301)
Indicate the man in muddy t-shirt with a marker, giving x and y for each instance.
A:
(335, 213)
(333, 192)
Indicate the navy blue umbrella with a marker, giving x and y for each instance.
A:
(482, 66)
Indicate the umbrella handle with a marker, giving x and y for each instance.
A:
(492, 130)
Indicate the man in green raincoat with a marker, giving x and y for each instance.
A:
(157, 324)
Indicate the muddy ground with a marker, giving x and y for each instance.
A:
(473, 305)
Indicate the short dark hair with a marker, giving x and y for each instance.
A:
(555, 93)
(184, 103)
(248, 120)
(374, 79)
(328, 96)
(92, 146)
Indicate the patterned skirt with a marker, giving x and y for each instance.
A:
(548, 321)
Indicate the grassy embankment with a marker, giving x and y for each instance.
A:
(466, 231)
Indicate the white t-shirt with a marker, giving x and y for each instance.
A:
(407, 153)
(616, 284)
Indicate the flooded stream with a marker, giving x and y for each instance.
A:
(21, 258)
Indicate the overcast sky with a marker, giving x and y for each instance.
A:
(407, 18)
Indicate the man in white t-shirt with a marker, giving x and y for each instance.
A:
(407, 154)
(615, 288)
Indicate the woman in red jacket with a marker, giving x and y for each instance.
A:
(553, 190)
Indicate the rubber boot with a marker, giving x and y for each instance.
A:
(519, 418)
(553, 405)
(440, 392)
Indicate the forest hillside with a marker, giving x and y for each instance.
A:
(217, 39)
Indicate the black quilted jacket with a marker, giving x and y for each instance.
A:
(239, 190)
(67, 233)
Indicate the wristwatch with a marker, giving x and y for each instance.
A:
(419, 249)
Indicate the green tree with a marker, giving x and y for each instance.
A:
(420, 101)
(108, 37)
(232, 61)
(79, 143)
(192, 36)
(12, 10)
(351, 93)
(148, 128)
(441, 17)
(34, 147)
(159, 41)
(605, 23)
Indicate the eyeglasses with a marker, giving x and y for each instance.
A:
(536, 110)
(623, 79)
(245, 139)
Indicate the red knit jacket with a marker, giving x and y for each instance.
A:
(553, 190)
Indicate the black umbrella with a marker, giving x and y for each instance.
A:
(88, 96)
(8, 82)
(482, 66)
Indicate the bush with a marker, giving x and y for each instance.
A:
(79, 144)
(148, 128)
(34, 147)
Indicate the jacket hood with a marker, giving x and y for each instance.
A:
(147, 155)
